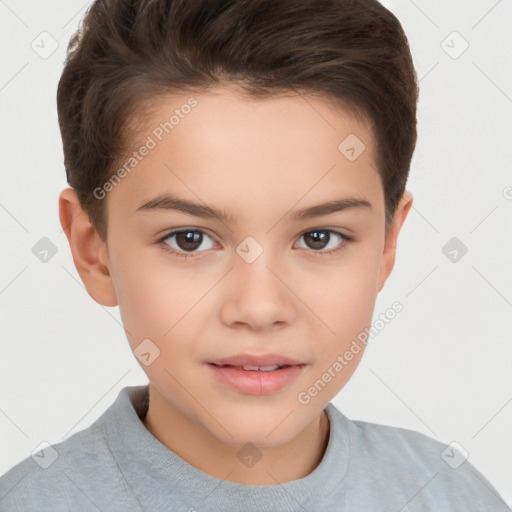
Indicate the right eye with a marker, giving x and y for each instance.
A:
(184, 242)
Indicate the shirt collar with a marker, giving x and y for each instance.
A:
(146, 463)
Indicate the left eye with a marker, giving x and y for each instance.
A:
(319, 237)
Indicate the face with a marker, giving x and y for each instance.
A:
(259, 279)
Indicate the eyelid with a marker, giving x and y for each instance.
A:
(175, 231)
(170, 232)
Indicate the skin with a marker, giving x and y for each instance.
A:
(259, 160)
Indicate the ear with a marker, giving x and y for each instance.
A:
(89, 251)
(389, 253)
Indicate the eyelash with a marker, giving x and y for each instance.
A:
(162, 241)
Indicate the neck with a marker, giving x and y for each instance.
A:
(194, 444)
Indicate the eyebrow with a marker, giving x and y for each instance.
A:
(168, 202)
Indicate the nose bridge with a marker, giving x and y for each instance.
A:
(258, 297)
(254, 263)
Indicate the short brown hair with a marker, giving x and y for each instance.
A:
(128, 52)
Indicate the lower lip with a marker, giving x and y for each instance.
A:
(255, 382)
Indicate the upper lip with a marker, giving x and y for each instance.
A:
(255, 360)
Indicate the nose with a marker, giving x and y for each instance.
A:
(257, 295)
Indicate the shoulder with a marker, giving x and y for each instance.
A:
(423, 472)
(70, 475)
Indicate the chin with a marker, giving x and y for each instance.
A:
(263, 431)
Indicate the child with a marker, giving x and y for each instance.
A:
(277, 136)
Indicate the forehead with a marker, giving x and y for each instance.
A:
(237, 152)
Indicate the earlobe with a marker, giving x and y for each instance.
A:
(390, 245)
(88, 250)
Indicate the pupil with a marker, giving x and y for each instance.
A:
(318, 241)
(184, 238)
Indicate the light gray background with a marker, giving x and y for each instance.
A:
(441, 367)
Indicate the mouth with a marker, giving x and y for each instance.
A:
(255, 379)
(263, 362)
(252, 368)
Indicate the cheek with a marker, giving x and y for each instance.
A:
(346, 300)
(155, 300)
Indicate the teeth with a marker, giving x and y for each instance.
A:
(262, 368)
(254, 368)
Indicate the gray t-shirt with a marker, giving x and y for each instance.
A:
(116, 464)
